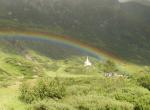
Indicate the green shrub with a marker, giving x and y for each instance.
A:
(98, 103)
(78, 90)
(82, 103)
(145, 81)
(53, 67)
(110, 66)
(44, 88)
(25, 67)
(140, 97)
(5, 84)
(143, 103)
(50, 88)
(27, 93)
(4, 73)
(80, 70)
(50, 105)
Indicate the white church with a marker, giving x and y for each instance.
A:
(87, 63)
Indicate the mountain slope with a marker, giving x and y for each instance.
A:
(120, 28)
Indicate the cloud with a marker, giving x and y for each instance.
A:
(134, 0)
(124, 0)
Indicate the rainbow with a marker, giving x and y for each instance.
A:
(63, 39)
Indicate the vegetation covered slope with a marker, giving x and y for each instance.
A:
(119, 28)
(36, 82)
(33, 78)
(30, 80)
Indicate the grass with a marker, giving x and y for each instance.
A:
(9, 99)
(88, 93)
(86, 88)
(92, 93)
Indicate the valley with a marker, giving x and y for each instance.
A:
(74, 55)
(83, 87)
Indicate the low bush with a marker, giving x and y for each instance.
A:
(53, 67)
(80, 70)
(97, 103)
(27, 93)
(143, 103)
(145, 81)
(44, 88)
(50, 105)
(78, 90)
(137, 96)
(47, 88)
(82, 103)
(110, 66)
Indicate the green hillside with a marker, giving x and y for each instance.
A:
(41, 74)
(33, 81)
(119, 28)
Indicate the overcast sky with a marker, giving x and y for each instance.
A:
(132, 0)
(123, 0)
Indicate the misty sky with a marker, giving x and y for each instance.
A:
(132, 0)
(123, 0)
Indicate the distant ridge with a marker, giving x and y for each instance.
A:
(119, 28)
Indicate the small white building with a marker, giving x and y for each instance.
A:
(87, 62)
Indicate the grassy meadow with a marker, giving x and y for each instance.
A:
(35, 82)
(31, 80)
